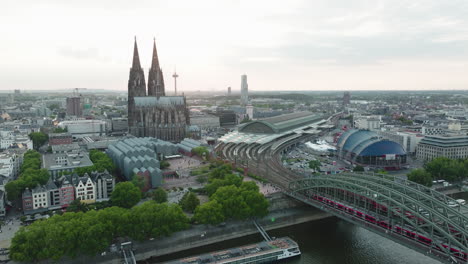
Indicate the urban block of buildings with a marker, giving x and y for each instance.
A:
(58, 194)
(65, 158)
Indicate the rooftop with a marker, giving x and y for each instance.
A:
(280, 123)
(445, 141)
(65, 147)
(59, 135)
(56, 161)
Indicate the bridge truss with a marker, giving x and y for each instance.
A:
(401, 210)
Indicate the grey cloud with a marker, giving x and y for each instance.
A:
(364, 31)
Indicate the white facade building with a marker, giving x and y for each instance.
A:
(367, 122)
(83, 128)
(105, 184)
(7, 141)
(452, 147)
(85, 190)
(408, 140)
(11, 163)
(40, 199)
(249, 109)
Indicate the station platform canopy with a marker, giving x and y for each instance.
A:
(280, 124)
(271, 129)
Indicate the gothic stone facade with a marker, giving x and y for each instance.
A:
(151, 113)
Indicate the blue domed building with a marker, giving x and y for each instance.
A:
(367, 148)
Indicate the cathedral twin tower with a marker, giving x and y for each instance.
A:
(152, 113)
(137, 76)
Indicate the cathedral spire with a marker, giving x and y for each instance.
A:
(155, 60)
(155, 76)
(136, 57)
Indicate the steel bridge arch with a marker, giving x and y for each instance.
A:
(400, 194)
(345, 186)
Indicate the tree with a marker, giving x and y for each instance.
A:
(227, 180)
(151, 219)
(438, 167)
(38, 139)
(315, 165)
(202, 179)
(420, 176)
(159, 195)
(213, 186)
(209, 213)
(138, 181)
(53, 107)
(189, 202)
(101, 161)
(77, 206)
(257, 203)
(249, 186)
(92, 232)
(60, 130)
(13, 190)
(201, 151)
(164, 164)
(234, 205)
(220, 172)
(125, 195)
(358, 168)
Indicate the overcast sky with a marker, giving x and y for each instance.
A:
(280, 45)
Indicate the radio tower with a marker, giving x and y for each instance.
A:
(175, 81)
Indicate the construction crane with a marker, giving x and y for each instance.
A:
(75, 91)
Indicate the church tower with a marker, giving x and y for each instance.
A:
(155, 76)
(136, 85)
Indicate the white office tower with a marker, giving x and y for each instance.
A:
(244, 90)
(249, 111)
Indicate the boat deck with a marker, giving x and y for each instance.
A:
(265, 249)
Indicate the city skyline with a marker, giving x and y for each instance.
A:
(316, 45)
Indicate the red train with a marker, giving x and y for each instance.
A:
(396, 228)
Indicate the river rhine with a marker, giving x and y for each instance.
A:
(327, 241)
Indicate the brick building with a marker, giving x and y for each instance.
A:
(60, 138)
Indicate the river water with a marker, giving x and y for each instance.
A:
(327, 241)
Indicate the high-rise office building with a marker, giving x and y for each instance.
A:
(346, 98)
(74, 106)
(229, 91)
(244, 90)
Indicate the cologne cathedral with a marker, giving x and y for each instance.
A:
(150, 112)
